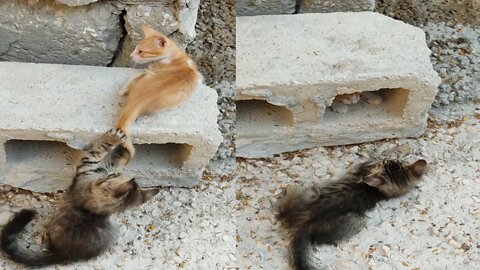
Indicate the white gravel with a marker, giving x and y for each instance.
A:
(434, 227)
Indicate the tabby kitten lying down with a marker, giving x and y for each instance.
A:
(335, 211)
(80, 228)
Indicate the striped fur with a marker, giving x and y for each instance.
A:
(333, 212)
(80, 228)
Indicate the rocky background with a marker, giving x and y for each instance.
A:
(104, 33)
(88, 32)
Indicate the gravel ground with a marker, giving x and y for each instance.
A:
(433, 227)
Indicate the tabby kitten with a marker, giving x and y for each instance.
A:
(335, 211)
(80, 228)
(339, 104)
(165, 84)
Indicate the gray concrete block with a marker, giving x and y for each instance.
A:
(323, 6)
(265, 7)
(177, 21)
(50, 111)
(47, 32)
(290, 68)
(74, 3)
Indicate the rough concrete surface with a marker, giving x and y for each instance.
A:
(265, 7)
(73, 104)
(46, 32)
(322, 6)
(433, 227)
(345, 53)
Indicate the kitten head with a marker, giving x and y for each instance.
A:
(348, 98)
(153, 47)
(392, 177)
(111, 194)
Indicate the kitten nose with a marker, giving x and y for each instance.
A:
(132, 54)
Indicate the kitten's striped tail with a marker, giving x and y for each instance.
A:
(299, 246)
(10, 245)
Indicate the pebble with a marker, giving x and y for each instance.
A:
(5, 217)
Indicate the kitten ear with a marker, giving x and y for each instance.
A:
(125, 188)
(372, 180)
(419, 167)
(160, 41)
(148, 31)
(148, 193)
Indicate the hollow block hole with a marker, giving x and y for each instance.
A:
(160, 156)
(40, 154)
(40, 164)
(259, 114)
(392, 106)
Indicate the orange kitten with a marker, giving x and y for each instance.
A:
(165, 84)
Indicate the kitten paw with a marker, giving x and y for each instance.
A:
(115, 136)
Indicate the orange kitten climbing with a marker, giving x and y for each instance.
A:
(166, 83)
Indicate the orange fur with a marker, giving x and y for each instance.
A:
(165, 84)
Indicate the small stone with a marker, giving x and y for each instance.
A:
(5, 217)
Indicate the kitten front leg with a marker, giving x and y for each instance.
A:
(127, 151)
(99, 148)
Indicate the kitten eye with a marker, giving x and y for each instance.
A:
(140, 51)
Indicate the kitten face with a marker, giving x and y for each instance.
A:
(154, 46)
(392, 177)
(114, 193)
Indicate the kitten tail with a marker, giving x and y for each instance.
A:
(20, 254)
(298, 249)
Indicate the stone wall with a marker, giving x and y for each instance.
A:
(269, 7)
(88, 32)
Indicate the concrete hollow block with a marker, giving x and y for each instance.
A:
(290, 69)
(49, 112)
